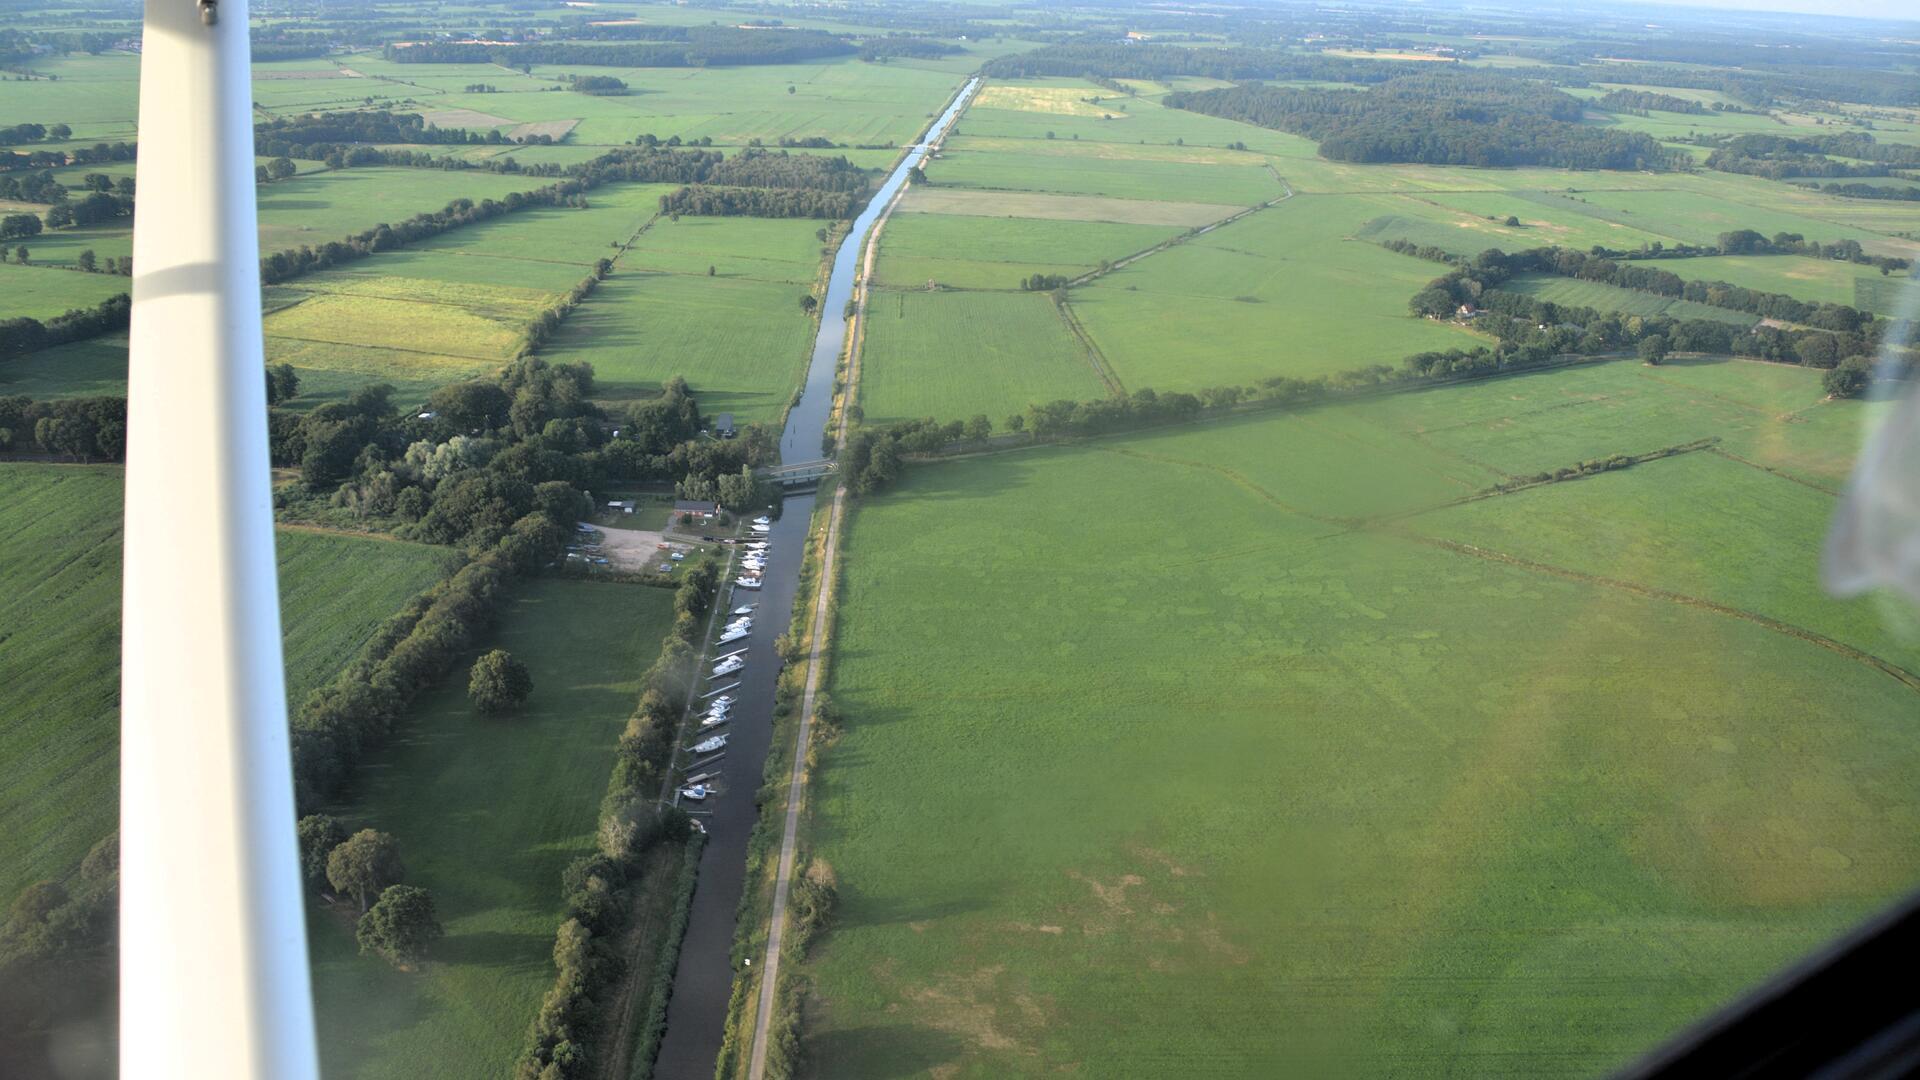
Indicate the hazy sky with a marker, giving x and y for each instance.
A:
(1881, 9)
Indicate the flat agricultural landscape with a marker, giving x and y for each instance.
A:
(487, 811)
(1438, 791)
(60, 671)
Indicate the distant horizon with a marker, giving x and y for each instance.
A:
(1897, 10)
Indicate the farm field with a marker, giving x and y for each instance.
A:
(951, 355)
(740, 343)
(1240, 185)
(1035, 205)
(90, 368)
(487, 812)
(1439, 807)
(1252, 299)
(1603, 297)
(37, 292)
(311, 208)
(997, 253)
(59, 675)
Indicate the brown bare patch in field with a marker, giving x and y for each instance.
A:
(316, 73)
(1007, 204)
(1059, 100)
(464, 118)
(557, 129)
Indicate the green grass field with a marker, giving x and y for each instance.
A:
(1253, 300)
(951, 355)
(487, 812)
(41, 292)
(1249, 792)
(741, 343)
(1088, 174)
(997, 253)
(1603, 297)
(59, 673)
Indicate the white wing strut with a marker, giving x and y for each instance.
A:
(213, 954)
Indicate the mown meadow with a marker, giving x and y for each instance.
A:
(1478, 789)
(487, 812)
(60, 671)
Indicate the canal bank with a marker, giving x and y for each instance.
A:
(703, 981)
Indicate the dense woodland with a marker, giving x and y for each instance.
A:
(641, 46)
(1106, 57)
(1438, 119)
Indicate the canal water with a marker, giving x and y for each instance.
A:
(703, 983)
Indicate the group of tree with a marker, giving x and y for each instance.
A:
(642, 45)
(1470, 278)
(1642, 101)
(19, 226)
(1113, 57)
(702, 200)
(1453, 118)
(894, 46)
(397, 921)
(597, 85)
(1043, 282)
(81, 429)
(92, 208)
(313, 136)
(32, 133)
(39, 187)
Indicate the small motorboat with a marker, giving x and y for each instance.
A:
(747, 582)
(728, 666)
(708, 746)
(734, 634)
(697, 792)
(763, 520)
(724, 701)
(745, 609)
(714, 720)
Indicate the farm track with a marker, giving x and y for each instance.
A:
(1483, 494)
(1129, 260)
(1095, 358)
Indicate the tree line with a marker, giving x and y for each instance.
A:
(701, 200)
(658, 46)
(98, 153)
(1869, 191)
(282, 135)
(24, 335)
(1491, 268)
(599, 888)
(1437, 119)
(895, 46)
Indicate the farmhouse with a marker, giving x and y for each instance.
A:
(697, 509)
(723, 425)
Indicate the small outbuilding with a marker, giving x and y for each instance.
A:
(723, 425)
(697, 509)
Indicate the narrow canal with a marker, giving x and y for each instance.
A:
(703, 983)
